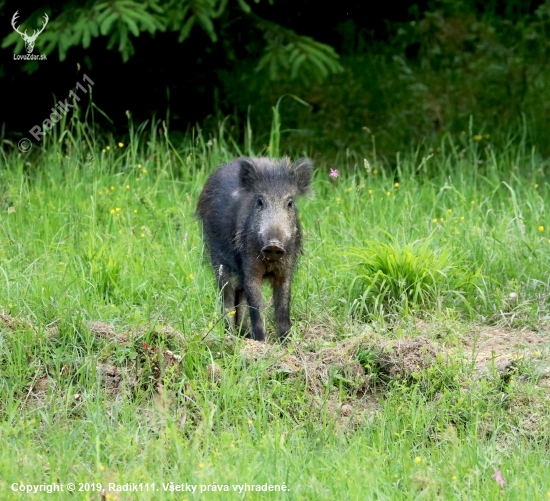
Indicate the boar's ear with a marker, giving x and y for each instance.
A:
(303, 170)
(248, 174)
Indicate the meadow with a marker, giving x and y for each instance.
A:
(418, 361)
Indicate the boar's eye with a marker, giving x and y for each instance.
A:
(290, 204)
(260, 202)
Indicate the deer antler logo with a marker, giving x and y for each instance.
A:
(29, 40)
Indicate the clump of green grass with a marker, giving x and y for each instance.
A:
(389, 277)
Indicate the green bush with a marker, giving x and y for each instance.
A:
(431, 78)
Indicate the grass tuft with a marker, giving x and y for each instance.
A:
(391, 278)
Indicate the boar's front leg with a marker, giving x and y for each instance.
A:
(226, 288)
(241, 317)
(253, 292)
(281, 302)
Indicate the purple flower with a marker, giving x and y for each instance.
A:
(499, 479)
(334, 173)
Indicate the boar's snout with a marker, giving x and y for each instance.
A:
(273, 251)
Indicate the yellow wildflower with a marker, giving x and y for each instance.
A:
(541, 228)
(478, 137)
(417, 459)
(396, 185)
(121, 145)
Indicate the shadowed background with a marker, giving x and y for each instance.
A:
(401, 73)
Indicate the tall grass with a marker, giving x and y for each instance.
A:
(93, 230)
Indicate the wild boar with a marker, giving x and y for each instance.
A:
(252, 232)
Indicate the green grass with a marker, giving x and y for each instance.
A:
(95, 234)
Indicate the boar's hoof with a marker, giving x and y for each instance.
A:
(273, 251)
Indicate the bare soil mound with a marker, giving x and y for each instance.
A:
(325, 364)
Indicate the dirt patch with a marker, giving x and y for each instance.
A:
(397, 357)
(503, 347)
(37, 394)
(352, 414)
(41, 385)
(404, 357)
(313, 333)
(108, 331)
(276, 358)
(105, 330)
(215, 373)
(15, 323)
(111, 378)
(487, 341)
(486, 347)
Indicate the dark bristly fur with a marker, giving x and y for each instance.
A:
(252, 231)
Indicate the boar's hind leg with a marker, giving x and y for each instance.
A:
(281, 302)
(241, 318)
(228, 292)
